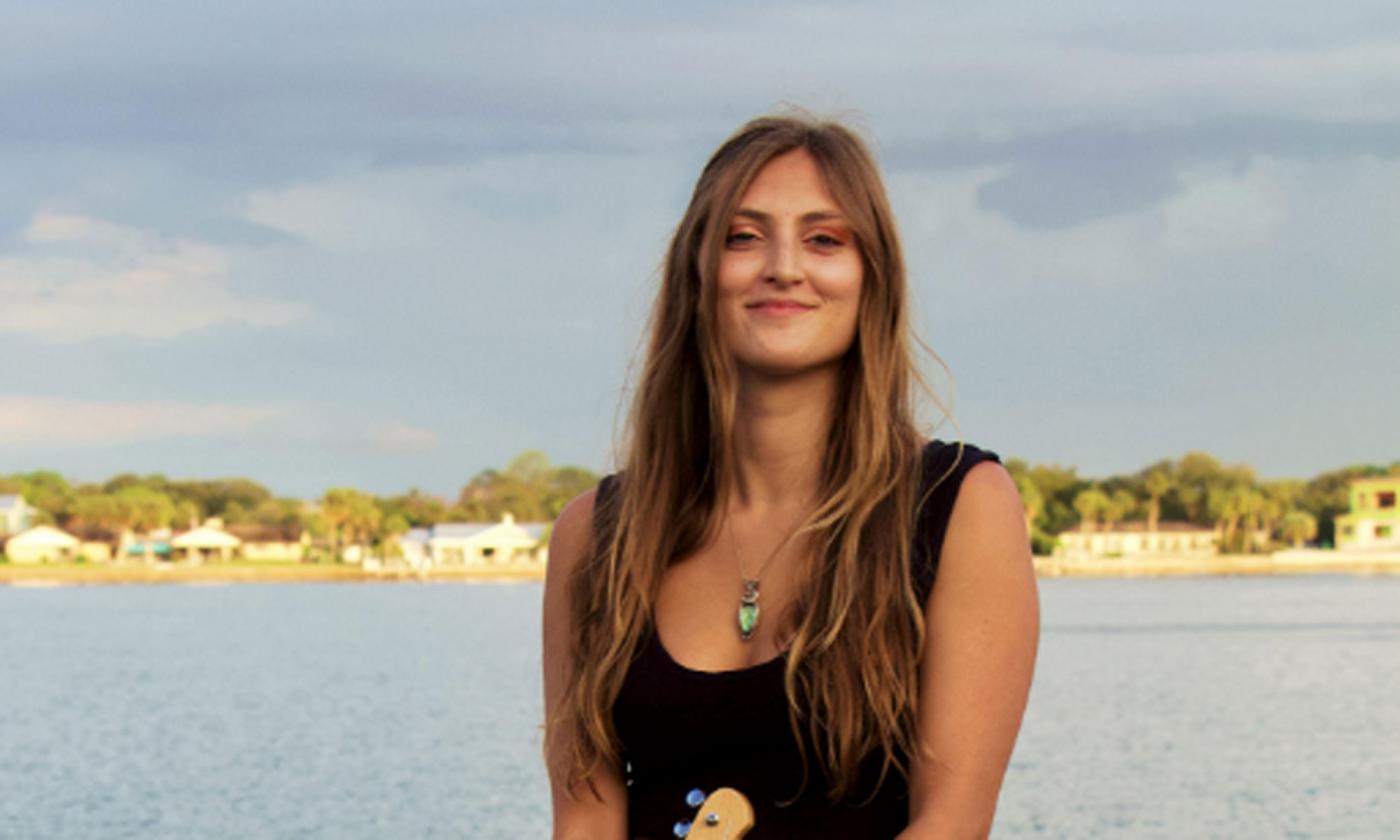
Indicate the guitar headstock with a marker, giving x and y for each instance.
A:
(723, 815)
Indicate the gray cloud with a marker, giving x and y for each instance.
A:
(470, 202)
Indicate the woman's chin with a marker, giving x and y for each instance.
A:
(786, 367)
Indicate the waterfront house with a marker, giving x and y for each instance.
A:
(504, 543)
(1373, 521)
(15, 514)
(207, 542)
(1132, 539)
(42, 544)
(96, 545)
(272, 543)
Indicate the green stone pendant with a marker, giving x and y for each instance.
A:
(748, 610)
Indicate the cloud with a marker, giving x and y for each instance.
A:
(43, 421)
(51, 421)
(460, 80)
(82, 278)
(400, 439)
(1273, 219)
(1238, 314)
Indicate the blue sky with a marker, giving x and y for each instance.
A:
(391, 245)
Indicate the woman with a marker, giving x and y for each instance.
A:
(752, 601)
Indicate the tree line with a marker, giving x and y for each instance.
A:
(1249, 514)
(529, 487)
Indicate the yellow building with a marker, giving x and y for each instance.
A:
(1374, 519)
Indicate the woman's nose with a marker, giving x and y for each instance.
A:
(783, 264)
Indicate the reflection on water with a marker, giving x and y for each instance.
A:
(1249, 707)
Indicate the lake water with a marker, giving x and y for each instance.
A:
(1187, 708)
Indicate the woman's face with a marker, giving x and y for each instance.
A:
(790, 272)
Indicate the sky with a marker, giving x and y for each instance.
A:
(391, 245)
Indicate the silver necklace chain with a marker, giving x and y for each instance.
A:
(748, 599)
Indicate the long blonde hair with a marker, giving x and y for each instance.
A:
(857, 626)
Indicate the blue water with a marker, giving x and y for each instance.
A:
(1245, 707)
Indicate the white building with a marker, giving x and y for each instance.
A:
(207, 542)
(42, 544)
(1132, 539)
(504, 543)
(15, 514)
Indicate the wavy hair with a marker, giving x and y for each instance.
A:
(856, 624)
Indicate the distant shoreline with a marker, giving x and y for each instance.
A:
(1303, 561)
(1282, 563)
(86, 574)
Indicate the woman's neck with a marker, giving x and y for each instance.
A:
(781, 428)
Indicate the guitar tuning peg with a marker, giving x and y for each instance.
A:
(695, 798)
(681, 828)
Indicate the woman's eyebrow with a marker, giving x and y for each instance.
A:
(809, 217)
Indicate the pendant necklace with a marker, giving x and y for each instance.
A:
(748, 599)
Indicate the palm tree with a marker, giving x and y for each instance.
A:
(390, 528)
(1090, 503)
(1158, 483)
(349, 514)
(1282, 496)
(1298, 527)
(1221, 505)
(1032, 502)
(188, 512)
(143, 509)
(1120, 505)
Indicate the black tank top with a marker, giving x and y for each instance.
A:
(682, 729)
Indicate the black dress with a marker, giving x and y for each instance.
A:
(683, 729)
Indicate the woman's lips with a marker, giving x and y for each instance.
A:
(780, 307)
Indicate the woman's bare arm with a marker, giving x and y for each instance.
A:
(580, 816)
(983, 630)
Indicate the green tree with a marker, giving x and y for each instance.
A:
(1090, 504)
(564, 484)
(95, 510)
(1255, 508)
(420, 509)
(1058, 486)
(1299, 526)
(529, 488)
(46, 490)
(392, 527)
(351, 516)
(230, 499)
(1032, 502)
(1157, 482)
(1120, 506)
(143, 510)
(187, 513)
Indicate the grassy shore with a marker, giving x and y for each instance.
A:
(1294, 562)
(74, 574)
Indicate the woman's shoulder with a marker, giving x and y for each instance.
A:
(579, 520)
(943, 458)
(576, 519)
(953, 479)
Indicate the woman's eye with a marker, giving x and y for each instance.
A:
(740, 237)
(826, 240)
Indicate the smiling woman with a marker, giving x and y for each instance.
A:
(787, 591)
(790, 273)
